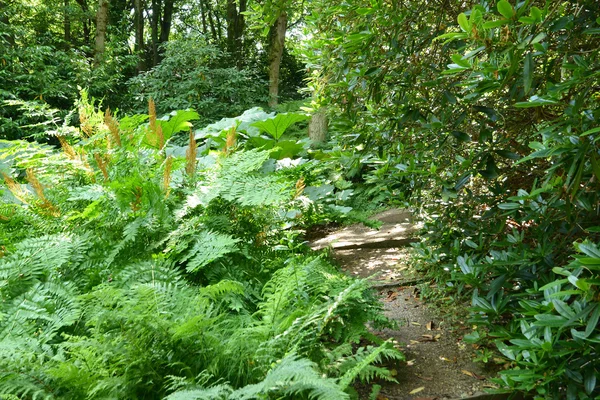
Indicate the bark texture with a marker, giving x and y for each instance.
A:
(317, 127)
(101, 24)
(277, 43)
(235, 29)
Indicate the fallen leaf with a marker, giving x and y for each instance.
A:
(417, 390)
(472, 374)
(410, 363)
(382, 397)
(393, 372)
(436, 337)
(468, 373)
(414, 342)
(391, 296)
(429, 325)
(425, 398)
(415, 323)
(427, 338)
(489, 386)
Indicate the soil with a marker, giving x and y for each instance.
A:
(439, 365)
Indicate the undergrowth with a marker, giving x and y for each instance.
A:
(133, 267)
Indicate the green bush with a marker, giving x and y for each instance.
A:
(487, 120)
(193, 74)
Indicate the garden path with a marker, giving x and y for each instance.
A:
(439, 364)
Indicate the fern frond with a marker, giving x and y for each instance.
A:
(362, 364)
(220, 392)
(209, 246)
(293, 376)
(244, 162)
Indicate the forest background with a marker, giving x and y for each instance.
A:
(175, 221)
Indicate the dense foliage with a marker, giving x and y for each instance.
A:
(135, 268)
(487, 119)
(143, 257)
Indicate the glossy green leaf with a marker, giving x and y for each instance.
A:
(495, 24)
(555, 321)
(461, 136)
(536, 14)
(509, 206)
(589, 381)
(178, 121)
(590, 131)
(464, 23)
(592, 323)
(508, 154)
(506, 9)
(366, 11)
(588, 249)
(451, 36)
(535, 101)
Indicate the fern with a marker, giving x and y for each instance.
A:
(290, 377)
(243, 162)
(362, 364)
(135, 294)
(208, 247)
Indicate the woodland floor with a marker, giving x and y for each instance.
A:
(439, 365)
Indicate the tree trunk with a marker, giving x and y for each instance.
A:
(101, 24)
(138, 23)
(235, 30)
(165, 24)
(211, 22)
(154, 22)
(277, 43)
(317, 127)
(203, 13)
(67, 24)
(86, 22)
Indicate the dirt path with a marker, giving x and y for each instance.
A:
(439, 365)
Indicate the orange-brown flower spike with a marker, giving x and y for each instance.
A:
(300, 185)
(67, 148)
(35, 184)
(230, 142)
(101, 165)
(152, 115)
(15, 188)
(39, 191)
(160, 138)
(190, 155)
(86, 128)
(113, 127)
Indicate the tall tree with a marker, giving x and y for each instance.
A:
(138, 24)
(160, 26)
(276, 47)
(86, 21)
(273, 18)
(101, 24)
(235, 29)
(67, 23)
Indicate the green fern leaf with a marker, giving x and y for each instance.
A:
(209, 246)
